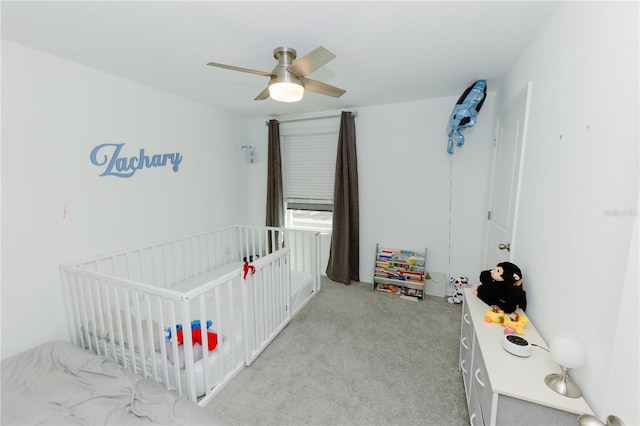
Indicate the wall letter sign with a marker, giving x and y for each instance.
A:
(109, 155)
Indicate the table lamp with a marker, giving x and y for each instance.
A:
(568, 352)
(589, 420)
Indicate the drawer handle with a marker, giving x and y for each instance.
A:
(463, 342)
(478, 379)
(465, 317)
(473, 417)
(462, 366)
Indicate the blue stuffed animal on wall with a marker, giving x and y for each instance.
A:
(464, 113)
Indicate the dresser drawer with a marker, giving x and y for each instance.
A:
(475, 414)
(467, 325)
(481, 386)
(466, 348)
(465, 361)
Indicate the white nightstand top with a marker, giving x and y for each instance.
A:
(513, 376)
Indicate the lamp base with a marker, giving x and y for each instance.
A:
(589, 420)
(563, 384)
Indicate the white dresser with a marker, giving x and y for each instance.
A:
(504, 389)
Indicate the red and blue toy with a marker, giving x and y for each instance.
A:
(196, 334)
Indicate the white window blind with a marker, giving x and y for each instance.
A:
(309, 167)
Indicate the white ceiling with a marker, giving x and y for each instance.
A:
(387, 51)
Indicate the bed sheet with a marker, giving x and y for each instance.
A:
(59, 383)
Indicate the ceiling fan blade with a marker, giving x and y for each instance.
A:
(234, 68)
(322, 88)
(311, 62)
(263, 95)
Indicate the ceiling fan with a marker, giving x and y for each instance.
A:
(288, 79)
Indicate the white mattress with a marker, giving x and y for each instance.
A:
(301, 289)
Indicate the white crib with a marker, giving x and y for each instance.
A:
(245, 282)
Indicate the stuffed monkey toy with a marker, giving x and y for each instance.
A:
(502, 286)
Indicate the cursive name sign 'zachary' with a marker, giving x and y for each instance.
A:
(116, 164)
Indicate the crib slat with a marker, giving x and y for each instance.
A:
(190, 391)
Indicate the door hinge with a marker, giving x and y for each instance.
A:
(489, 215)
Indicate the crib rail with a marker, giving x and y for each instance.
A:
(267, 298)
(168, 262)
(124, 305)
(129, 323)
(305, 252)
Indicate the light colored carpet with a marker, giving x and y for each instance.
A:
(354, 356)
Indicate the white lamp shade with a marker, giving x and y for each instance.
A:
(286, 92)
(567, 350)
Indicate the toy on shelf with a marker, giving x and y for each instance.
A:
(502, 286)
(494, 314)
(513, 323)
(196, 334)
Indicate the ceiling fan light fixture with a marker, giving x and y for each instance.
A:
(288, 80)
(286, 92)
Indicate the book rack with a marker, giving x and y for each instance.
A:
(400, 272)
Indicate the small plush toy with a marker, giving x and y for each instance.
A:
(196, 337)
(494, 314)
(515, 323)
(248, 269)
(502, 286)
(512, 323)
(458, 284)
(196, 334)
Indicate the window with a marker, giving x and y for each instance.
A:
(309, 172)
(314, 220)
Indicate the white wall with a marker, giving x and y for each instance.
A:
(580, 191)
(404, 184)
(404, 172)
(53, 113)
(624, 376)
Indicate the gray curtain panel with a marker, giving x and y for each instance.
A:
(344, 257)
(275, 198)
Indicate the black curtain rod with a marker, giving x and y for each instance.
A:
(355, 114)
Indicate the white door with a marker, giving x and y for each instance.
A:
(505, 186)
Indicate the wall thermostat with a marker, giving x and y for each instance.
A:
(516, 345)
